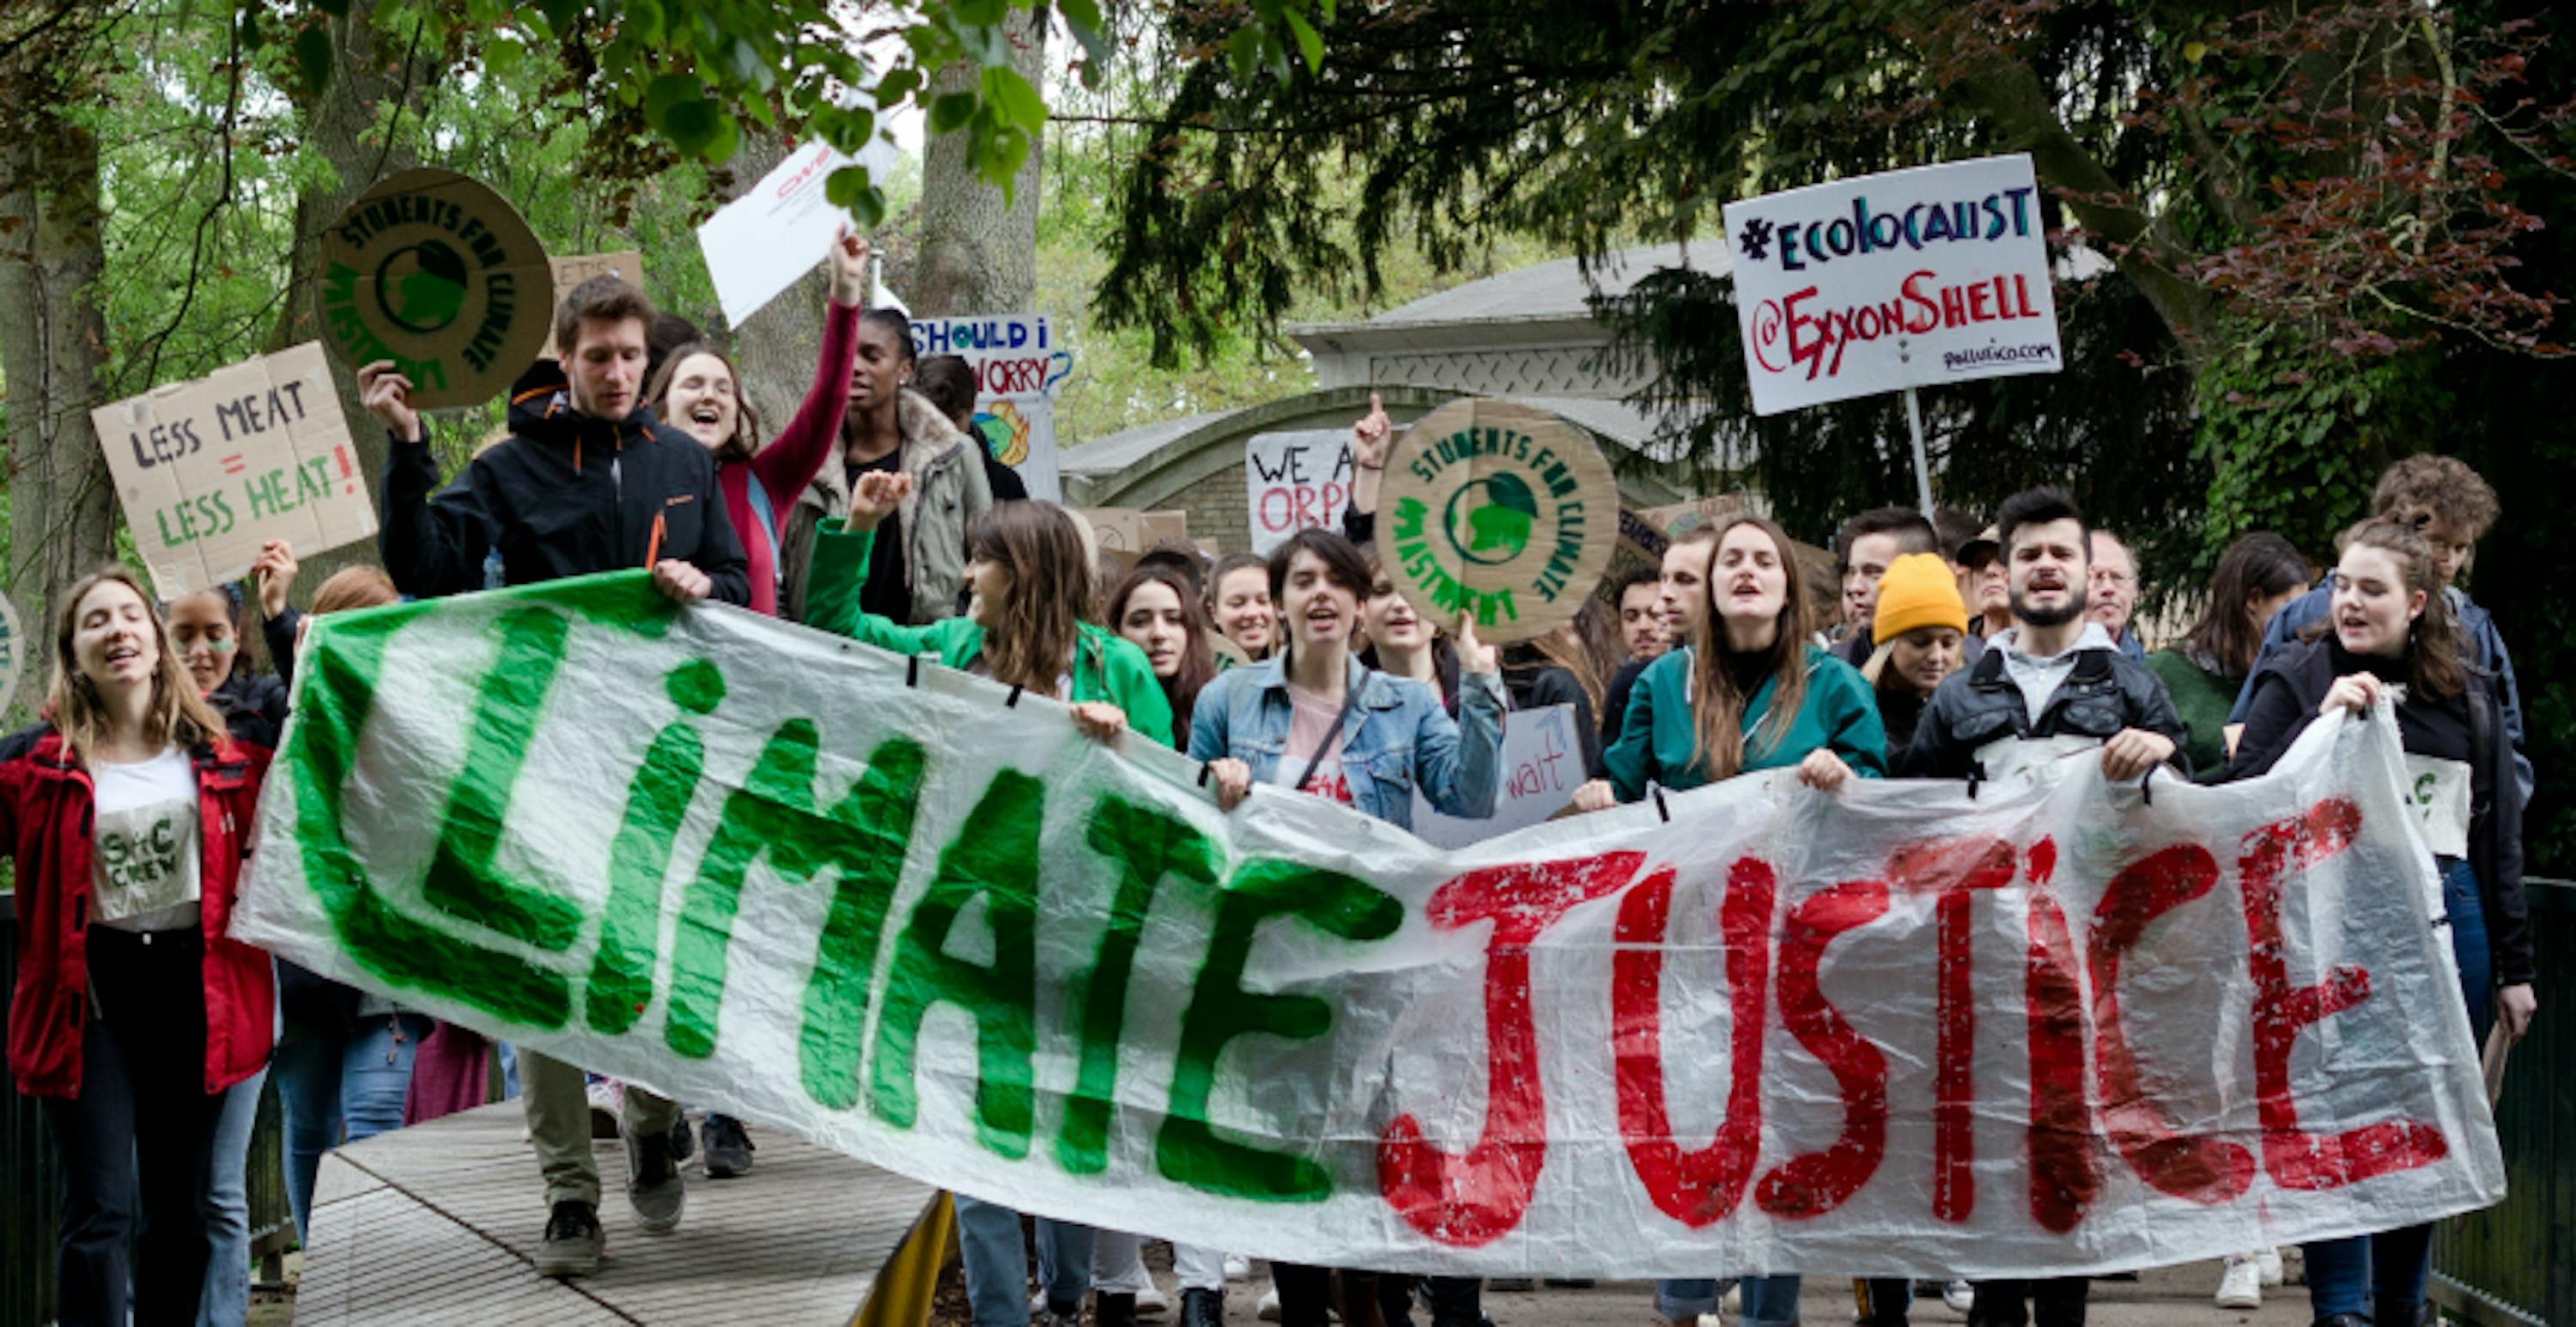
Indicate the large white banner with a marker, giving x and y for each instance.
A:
(2055, 1027)
(1910, 278)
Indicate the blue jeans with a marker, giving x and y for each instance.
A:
(2383, 1275)
(226, 1302)
(1769, 1301)
(997, 1263)
(335, 1086)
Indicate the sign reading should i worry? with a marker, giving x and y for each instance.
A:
(1910, 278)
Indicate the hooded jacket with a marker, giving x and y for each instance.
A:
(948, 492)
(47, 806)
(563, 495)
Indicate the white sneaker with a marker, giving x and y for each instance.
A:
(1268, 1311)
(1732, 1303)
(1959, 1295)
(2268, 1261)
(1237, 1267)
(1151, 1303)
(2242, 1285)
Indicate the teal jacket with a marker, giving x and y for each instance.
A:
(1657, 741)
(1105, 667)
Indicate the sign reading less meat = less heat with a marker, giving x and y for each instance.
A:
(1499, 512)
(435, 272)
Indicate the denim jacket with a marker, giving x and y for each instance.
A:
(1396, 738)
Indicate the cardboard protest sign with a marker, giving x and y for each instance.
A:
(1122, 534)
(437, 273)
(1499, 511)
(762, 242)
(2056, 1028)
(210, 469)
(1299, 479)
(1020, 365)
(1904, 279)
(1542, 766)
(626, 265)
(13, 652)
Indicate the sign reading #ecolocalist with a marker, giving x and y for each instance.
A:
(1497, 511)
(1909, 278)
(437, 273)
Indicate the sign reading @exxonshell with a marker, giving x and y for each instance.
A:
(437, 273)
(1498, 511)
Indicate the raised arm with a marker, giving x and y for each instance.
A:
(432, 539)
(801, 450)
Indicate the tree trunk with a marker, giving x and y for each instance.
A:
(978, 254)
(53, 341)
(369, 68)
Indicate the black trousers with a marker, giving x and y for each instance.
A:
(2055, 1302)
(137, 1144)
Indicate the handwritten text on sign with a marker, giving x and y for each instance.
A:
(1296, 480)
(2055, 1028)
(1905, 279)
(1020, 365)
(208, 470)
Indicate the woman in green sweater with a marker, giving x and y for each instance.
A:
(2256, 576)
(1028, 589)
(1749, 693)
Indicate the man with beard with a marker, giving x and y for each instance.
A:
(2046, 677)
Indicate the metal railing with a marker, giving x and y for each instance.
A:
(2511, 1265)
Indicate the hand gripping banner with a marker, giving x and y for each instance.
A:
(2053, 1027)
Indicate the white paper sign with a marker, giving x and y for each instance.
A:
(1542, 766)
(1297, 480)
(759, 244)
(1907, 279)
(208, 470)
(1020, 364)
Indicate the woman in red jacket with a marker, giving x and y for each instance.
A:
(126, 816)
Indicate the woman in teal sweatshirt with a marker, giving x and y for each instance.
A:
(1028, 590)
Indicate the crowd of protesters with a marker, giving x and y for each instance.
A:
(1955, 647)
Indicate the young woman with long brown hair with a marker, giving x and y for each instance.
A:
(1748, 692)
(125, 814)
(1158, 611)
(2390, 626)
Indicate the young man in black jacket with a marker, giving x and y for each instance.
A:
(588, 481)
(2052, 674)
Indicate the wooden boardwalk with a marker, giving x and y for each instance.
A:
(435, 1224)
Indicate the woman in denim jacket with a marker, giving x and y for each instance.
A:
(1392, 735)
(1313, 718)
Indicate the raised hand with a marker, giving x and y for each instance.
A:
(1371, 437)
(1475, 658)
(849, 259)
(879, 493)
(387, 395)
(275, 571)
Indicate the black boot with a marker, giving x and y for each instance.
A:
(1114, 1310)
(1202, 1307)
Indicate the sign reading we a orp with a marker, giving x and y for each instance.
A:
(208, 470)
(1905, 279)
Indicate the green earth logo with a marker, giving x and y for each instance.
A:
(1489, 520)
(422, 288)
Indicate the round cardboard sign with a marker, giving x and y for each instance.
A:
(13, 653)
(1499, 511)
(437, 273)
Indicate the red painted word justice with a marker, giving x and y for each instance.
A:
(2084, 1108)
